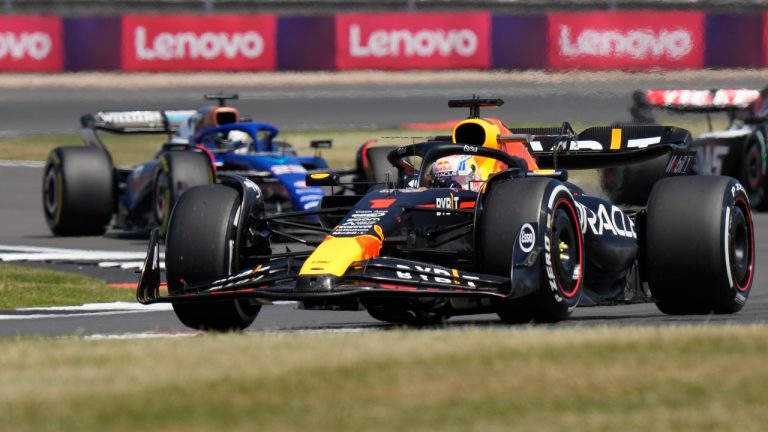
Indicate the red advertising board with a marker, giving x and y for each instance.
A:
(765, 38)
(31, 43)
(413, 41)
(626, 40)
(178, 43)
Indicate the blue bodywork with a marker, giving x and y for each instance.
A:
(274, 166)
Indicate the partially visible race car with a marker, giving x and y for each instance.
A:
(739, 150)
(83, 190)
(487, 221)
(251, 149)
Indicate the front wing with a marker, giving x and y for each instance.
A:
(279, 279)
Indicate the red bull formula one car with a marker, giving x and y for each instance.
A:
(739, 150)
(483, 221)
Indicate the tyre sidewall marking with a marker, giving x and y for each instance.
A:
(734, 196)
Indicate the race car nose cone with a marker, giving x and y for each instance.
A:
(316, 283)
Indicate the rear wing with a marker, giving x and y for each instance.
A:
(601, 146)
(699, 100)
(131, 122)
(733, 101)
(136, 122)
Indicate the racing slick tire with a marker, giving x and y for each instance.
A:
(699, 245)
(177, 172)
(78, 191)
(507, 207)
(199, 246)
(753, 177)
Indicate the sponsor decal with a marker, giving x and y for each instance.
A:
(450, 202)
(680, 164)
(470, 149)
(598, 40)
(221, 42)
(709, 159)
(604, 220)
(721, 98)
(358, 223)
(31, 43)
(737, 187)
(382, 203)
(527, 238)
(435, 274)
(548, 267)
(287, 169)
(412, 41)
(310, 198)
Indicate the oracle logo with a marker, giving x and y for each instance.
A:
(190, 45)
(35, 45)
(636, 44)
(422, 43)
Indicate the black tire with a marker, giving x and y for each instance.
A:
(177, 172)
(699, 245)
(202, 245)
(78, 191)
(510, 204)
(752, 176)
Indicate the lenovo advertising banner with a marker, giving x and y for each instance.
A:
(31, 44)
(413, 41)
(626, 40)
(195, 43)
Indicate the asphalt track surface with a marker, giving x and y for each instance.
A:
(373, 105)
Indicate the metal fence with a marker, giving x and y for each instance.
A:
(314, 7)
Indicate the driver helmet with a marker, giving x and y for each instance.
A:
(239, 140)
(459, 171)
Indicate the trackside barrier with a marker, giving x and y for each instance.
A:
(31, 44)
(734, 40)
(626, 40)
(413, 41)
(636, 40)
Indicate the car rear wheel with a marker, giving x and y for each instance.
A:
(78, 191)
(201, 245)
(534, 213)
(753, 177)
(700, 253)
(177, 172)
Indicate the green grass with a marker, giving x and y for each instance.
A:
(28, 287)
(500, 379)
(132, 149)
(129, 150)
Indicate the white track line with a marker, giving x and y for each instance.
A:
(90, 309)
(147, 335)
(122, 259)
(21, 164)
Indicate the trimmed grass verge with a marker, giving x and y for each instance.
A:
(703, 378)
(129, 150)
(28, 287)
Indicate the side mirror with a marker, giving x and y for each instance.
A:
(323, 179)
(321, 144)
